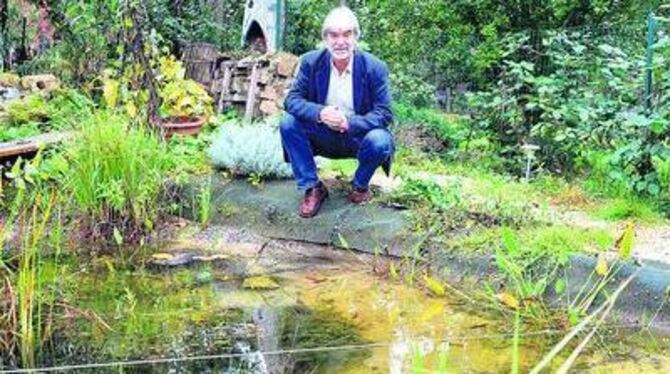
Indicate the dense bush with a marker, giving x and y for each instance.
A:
(34, 114)
(251, 150)
(585, 99)
(446, 43)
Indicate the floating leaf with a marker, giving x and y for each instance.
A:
(624, 244)
(508, 300)
(434, 286)
(260, 283)
(601, 265)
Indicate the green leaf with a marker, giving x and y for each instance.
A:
(510, 241)
(434, 286)
(601, 265)
(573, 316)
(559, 286)
(343, 242)
(509, 300)
(658, 126)
(624, 245)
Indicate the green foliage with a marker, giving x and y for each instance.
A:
(67, 107)
(94, 33)
(35, 114)
(9, 133)
(185, 98)
(88, 30)
(180, 98)
(115, 173)
(249, 150)
(626, 208)
(417, 191)
(182, 22)
(32, 108)
(583, 96)
(54, 60)
(24, 282)
(557, 240)
(442, 44)
(662, 168)
(410, 89)
(448, 128)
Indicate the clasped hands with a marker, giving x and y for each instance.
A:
(334, 119)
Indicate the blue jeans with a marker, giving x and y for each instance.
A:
(302, 141)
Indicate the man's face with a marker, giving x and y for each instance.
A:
(341, 42)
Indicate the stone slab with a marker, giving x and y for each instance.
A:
(271, 210)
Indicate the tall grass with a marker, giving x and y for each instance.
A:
(115, 172)
(29, 287)
(205, 202)
(22, 328)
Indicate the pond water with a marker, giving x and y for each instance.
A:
(313, 310)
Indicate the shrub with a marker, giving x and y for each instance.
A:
(252, 150)
(32, 108)
(447, 128)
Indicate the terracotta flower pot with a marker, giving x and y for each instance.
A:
(181, 126)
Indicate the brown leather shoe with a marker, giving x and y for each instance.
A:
(360, 197)
(311, 203)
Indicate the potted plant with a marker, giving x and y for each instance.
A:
(185, 104)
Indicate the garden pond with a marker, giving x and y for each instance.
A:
(228, 301)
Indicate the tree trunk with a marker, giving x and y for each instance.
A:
(4, 14)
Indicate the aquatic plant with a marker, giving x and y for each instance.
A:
(304, 328)
(25, 303)
(205, 202)
(114, 171)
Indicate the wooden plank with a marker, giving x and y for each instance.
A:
(225, 85)
(251, 96)
(32, 144)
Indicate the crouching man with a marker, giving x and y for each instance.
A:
(338, 107)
